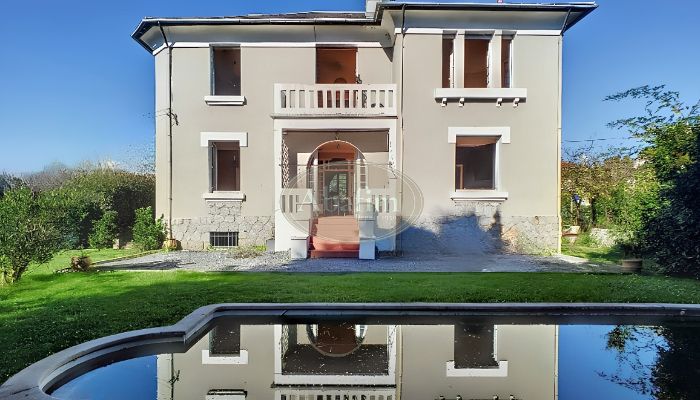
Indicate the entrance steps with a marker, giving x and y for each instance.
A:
(335, 237)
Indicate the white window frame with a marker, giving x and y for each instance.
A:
(217, 100)
(493, 91)
(500, 372)
(510, 36)
(503, 135)
(206, 140)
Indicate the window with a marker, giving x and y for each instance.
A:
(448, 64)
(506, 43)
(227, 71)
(476, 53)
(225, 339)
(474, 346)
(223, 239)
(225, 167)
(475, 163)
(336, 65)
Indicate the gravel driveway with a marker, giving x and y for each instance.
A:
(222, 261)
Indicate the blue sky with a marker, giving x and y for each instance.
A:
(74, 86)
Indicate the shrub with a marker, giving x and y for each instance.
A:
(148, 233)
(92, 191)
(27, 232)
(104, 231)
(80, 263)
(247, 251)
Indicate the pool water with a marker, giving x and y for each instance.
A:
(239, 359)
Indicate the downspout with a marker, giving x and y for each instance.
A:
(559, 123)
(403, 41)
(170, 131)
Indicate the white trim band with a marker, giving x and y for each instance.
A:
(208, 137)
(454, 131)
(481, 195)
(480, 93)
(500, 372)
(240, 359)
(225, 100)
(231, 196)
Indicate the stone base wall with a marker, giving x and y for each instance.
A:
(223, 216)
(478, 227)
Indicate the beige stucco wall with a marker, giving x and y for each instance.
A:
(528, 164)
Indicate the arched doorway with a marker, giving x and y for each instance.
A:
(333, 175)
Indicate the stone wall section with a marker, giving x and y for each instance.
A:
(223, 216)
(478, 227)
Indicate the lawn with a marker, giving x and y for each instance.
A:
(596, 254)
(47, 312)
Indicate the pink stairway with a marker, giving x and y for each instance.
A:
(335, 237)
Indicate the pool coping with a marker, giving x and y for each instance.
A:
(50, 372)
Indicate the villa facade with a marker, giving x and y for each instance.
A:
(375, 362)
(410, 127)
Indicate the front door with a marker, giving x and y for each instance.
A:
(337, 178)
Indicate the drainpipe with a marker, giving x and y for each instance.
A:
(559, 122)
(403, 42)
(170, 131)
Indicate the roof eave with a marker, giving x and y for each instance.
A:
(582, 9)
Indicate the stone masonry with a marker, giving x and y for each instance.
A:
(223, 216)
(479, 227)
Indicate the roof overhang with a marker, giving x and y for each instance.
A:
(563, 15)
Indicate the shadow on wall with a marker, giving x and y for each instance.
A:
(454, 235)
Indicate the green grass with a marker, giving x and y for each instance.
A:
(601, 255)
(47, 312)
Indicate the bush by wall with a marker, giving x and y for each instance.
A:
(148, 232)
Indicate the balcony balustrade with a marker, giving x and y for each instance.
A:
(347, 100)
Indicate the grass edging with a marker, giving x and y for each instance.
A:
(128, 257)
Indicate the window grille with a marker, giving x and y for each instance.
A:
(223, 239)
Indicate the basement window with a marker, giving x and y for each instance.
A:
(223, 239)
(476, 54)
(226, 73)
(475, 163)
(225, 167)
(506, 45)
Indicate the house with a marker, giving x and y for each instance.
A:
(342, 360)
(411, 127)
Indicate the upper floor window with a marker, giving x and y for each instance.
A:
(476, 62)
(475, 162)
(226, 71)
(225, 167)
(506, 44)
(477, 66)
(336, 65)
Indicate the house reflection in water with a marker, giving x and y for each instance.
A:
(343, 361)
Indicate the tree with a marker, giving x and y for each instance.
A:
(594, 177)
(670, 131)
(27, 232)
(8, 182)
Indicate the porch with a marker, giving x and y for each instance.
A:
(338, 194)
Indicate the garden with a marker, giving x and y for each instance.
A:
(55, 224)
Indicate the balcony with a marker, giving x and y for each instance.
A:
(341, 100)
